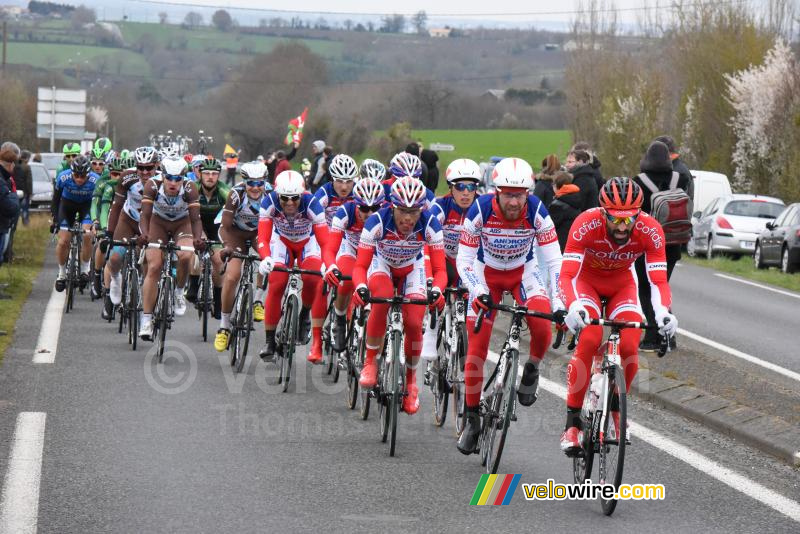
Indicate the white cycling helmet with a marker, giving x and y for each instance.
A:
(343, 167)
(254, 170)
(408, 192)
(174, 166)
(371, 168)
(462, 169)
(405, 164)
(145, 155)
(368, 192)
(198, 160)
(290, 183)
(512, 172)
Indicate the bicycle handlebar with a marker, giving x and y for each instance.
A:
(170, 247)
(621, 325)
(515, 309)
(397, 300)
(296, 270)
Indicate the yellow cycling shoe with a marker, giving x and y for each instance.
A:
(258, 312)
(221, 339)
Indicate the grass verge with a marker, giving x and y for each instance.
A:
(30, 243)
(744, 268)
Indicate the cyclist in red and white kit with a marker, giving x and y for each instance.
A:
(336, 193)
(342, 248)
(291, 225)
(391, 256)
(502, 237)
(598, 264)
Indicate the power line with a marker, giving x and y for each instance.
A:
(672, 7)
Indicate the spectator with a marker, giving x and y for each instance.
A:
(323, 176)
(317, 158)
(677, 163)
(9, 203)
(413, 148)
(657, 166)
(231, 166)
(37, 158)
(22, 174)
(565, 207)
(430, 159)
(595, 163)
(583, 175)
(273, 162)
(544, 182)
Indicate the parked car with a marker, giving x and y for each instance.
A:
(51, 161)
(779, 242)
(487, 186)
(42, 196)
(708, 186)
(731, 224)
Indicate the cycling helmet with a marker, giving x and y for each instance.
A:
(124, 153)
(208, 164)
(343, 167)
(463, 169)
(374, 169)
(130, 162)
(198, 160)
(103, 145)
(253, 170)
(290, 183)
(513, 173)
(80, 165)
(408, 192)
(117, 165)
(621, 197)
(368, 192)
(173, 166)
(71, 148)
(405, 164)
(145, 155)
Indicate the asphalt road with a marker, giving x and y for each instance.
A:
(123, 452)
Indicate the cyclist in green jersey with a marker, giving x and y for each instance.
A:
(213, 195)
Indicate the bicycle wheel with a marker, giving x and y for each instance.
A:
(242, 332)
(70, 281)
(205, 298)
(163, 312)
(612, 450)
(134, 303)
(582, 464)
(439, 387)
(457, 386)
(327, 343)
(292, 312)
(384, 379)
(353, 347)
(397, 391)
(92, 269)
(505, 405)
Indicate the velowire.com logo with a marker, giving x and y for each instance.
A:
(495, 489)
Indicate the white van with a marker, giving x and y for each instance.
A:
(708, 186)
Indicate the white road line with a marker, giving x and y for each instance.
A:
(739, 354)
(762, 286)
(742, 484)
(19, 509)
(47, 343)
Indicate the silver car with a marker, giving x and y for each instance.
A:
(731, 224)
(42, 196)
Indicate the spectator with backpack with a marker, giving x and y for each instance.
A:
(677, 163)
(579, 165)
(666, 199)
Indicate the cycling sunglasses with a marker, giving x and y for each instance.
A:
(70, 155)
(621, 220)
(145, 167)
(461, 186)
(114, 174)
(368, 209)
(98, 162)
(290, 198)
(255, 183)
(173, 177)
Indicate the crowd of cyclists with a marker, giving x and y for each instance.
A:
(373, 232)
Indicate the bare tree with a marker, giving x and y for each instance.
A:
(162, 17)
(193, 19)
(222, 20)
(348, 24)
(393, 23)
(420, 21)
(81, 16)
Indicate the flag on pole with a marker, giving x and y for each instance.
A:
(295, 133)
(229, 149)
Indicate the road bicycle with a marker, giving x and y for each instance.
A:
(498, 404)
(130, 307)
(332, 359)
(74, 265)
(604, 415)
(205, 290)
(354, 359)
(242, 313)
(164, 312)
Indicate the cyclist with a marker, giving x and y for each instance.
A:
(70, 151)
(123, 222)
(404, 164)
(196, 163)
(391, 256)
(101, 205)
(72, 198)
(291, 225)
(463, 176)
(240, 224)
(341, 250)
(602, 246)
(213, 195)
(374, 169)
(170, 207)
(332, 195)
(502, 237)
(102, 147)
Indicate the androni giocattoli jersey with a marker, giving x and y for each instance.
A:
(380, 233)
(590, 252)
(73, 192)
(299, 226)
(451, 216)
(489, 240)
(330, 201)
(346, 227)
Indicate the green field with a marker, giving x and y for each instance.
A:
(58, 56)
(480, 145)
(744, 268)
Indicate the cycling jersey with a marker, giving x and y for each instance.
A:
(245, 210)
(330, 200)
(101, 201)
(170, 207)
(451, 217)
(69, 190)
(345, 234)
(590, 252)
(308, 220)
(210, 206)
(489, 240)
(130, 188)
(380, 233)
